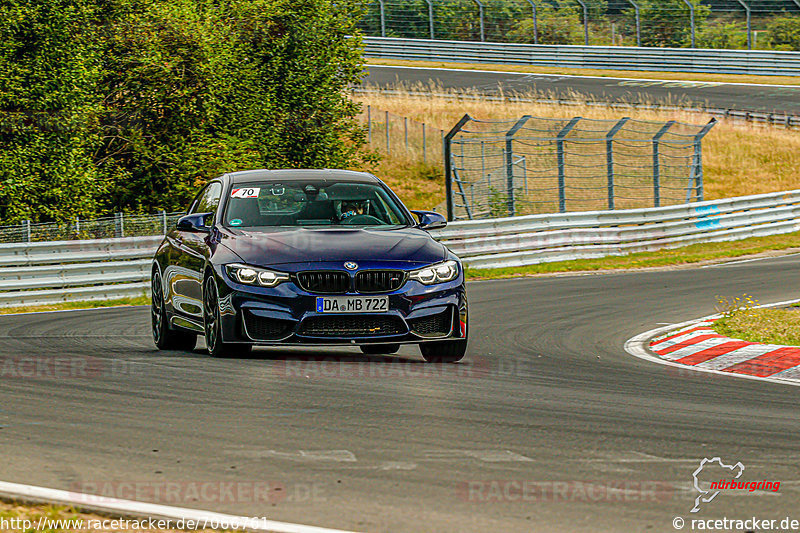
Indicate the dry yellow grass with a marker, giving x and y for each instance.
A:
(739, 158)
(60, 519)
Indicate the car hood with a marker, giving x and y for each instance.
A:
(308, 245)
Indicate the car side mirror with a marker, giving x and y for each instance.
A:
(429, 220)
(196, 222)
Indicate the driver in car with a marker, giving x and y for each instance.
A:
(351, 208)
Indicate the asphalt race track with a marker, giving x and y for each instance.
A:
(756, 98)
(547, 394)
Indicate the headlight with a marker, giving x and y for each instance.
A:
(256, 276)
(440, 273)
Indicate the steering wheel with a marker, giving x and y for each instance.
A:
(362, 220)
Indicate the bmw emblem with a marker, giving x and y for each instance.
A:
(351, 265)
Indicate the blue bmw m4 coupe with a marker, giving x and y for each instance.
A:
(307, 257)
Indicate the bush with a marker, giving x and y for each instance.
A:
(556, 26)
(783, 33)
(727, 35)
(667, 23)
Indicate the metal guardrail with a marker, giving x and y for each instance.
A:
(40, 273)
(533, 239)
(51, 272)
(755, 62)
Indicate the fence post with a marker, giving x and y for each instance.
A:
(483, 160)
(405, 131)
(749, 25)
(447, 141)
(388, 148)
(562, 174)
(510, 162)
(480, 14)
(423, 143)
(585, 22)
(525, 172)
(697, 163)
(28, 230)
(610, 158)
(691, 18)
(383, 18)
(164, 218)
(638, 23)
(535, 22)
(430, 16)
(122, 224)
(657, 163)
(369, 123)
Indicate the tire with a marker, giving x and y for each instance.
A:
(212, 325)
(377, 349)
(164, 337)
(444, 351)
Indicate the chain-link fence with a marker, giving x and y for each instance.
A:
(736, 24)
(403, 137)
(119, 225)
(541, 165)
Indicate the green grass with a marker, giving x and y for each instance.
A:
(769, 326)
(687, 255)
(139, 300)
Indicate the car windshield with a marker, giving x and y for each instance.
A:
(310, 203)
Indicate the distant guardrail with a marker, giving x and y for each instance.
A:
(50, 272)
(755, 62)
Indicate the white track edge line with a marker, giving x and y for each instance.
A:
(150, 510)
(637, 347)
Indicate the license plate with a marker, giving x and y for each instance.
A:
(353, 304)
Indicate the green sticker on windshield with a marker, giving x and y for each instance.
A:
(236, 222)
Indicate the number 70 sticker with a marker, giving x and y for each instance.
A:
(251, 192)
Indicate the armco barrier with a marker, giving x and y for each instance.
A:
(535, 239)
(49, 272)
(756, 62)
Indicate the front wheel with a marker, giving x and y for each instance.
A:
(213, 325)
(444, 351)
(164, 337)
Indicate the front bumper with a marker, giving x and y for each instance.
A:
(286, 315)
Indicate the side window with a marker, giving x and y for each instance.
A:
(208, 200)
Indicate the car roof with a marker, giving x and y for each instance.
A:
(301, 174)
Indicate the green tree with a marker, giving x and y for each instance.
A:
(49, 71)
(783, 33)
(109, 105)
(667, 23)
